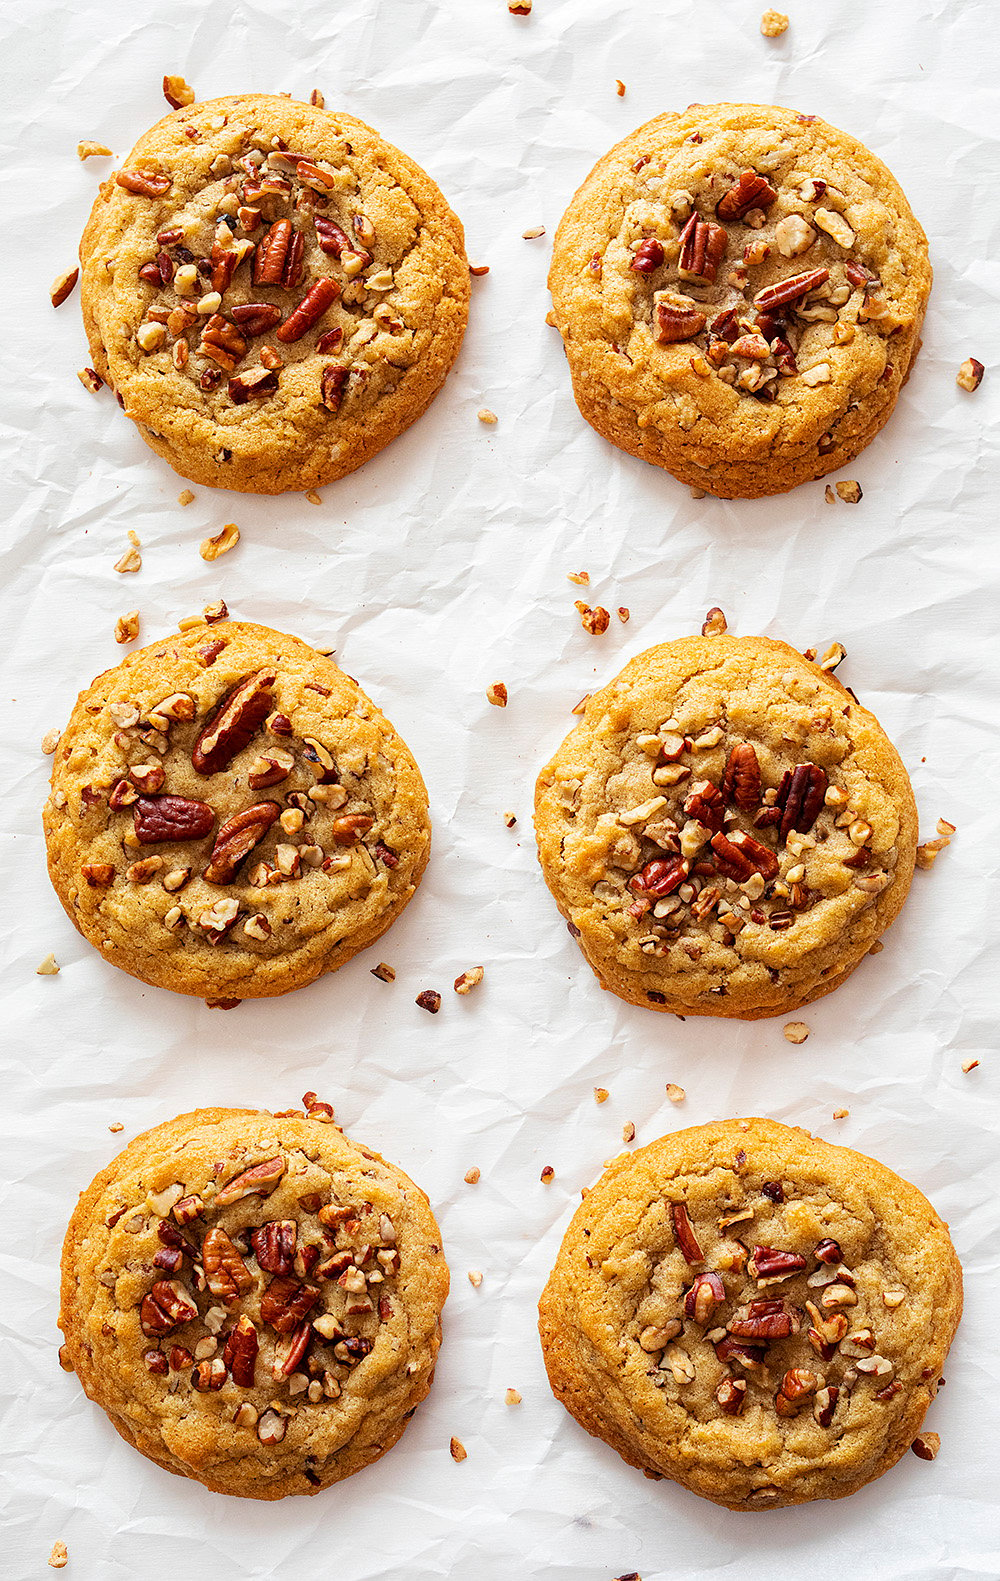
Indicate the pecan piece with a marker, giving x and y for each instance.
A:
(256, 318)
(825, 1404)
(270, 768)
(222, 342)
(800, 797)
(705, 803)
(260, 1178)
(333, 381)
(730, 1349)
(223, 261)
(309, 311)
(861, 279)
(741, 780)
(647, 256)
(171, 818)
(761, 858)
(731, 1395)
(704, 1296)
(730, 861)
(762, 1321)
(292, 272)
(684, 1233)
(286, 1302)
(828, 1251)
(227, 1274)
(234, 722)
(285, 1363)
(767, 1262)
(272, 251)
(166, 1307)
(209, 1375)
(145, 183)
(796, 1385)
(659, 878)
(274, 1245)
(240, 1352)
(349, 829)
(256, 384)
(750, 192)
(797, 285)
(673, 323)
(703, 246)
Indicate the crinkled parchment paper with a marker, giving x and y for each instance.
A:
(436, 570)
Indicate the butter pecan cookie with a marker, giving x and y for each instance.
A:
(740, 290)
(756, 1314)
(727, 830)
(273, 292)
(253, 1299)
(231, 816)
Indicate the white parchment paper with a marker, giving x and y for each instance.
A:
(437, 569)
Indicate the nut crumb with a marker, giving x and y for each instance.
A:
(133, 538)
(185, 497)
(796, 1031)
(628, 1132)
(535, 230)
(519, 7)
(548, 1175)
(50, 741)
(458, 1450)
(928, 853)
(967, 1064)
(512, 1397)
(475, 1278)
(714, 624)
(62, 286)
(177, 92)
(485, 415)
(674, 1093)
(841, 1114)
(510, 819)
(469, 980)
(223, 541)
(478, 270)
(429, 999)
(829, 496)
(496, 694)
(893, 1298)
(59, 1557)
(698, 494)
(131, 560)
(116, 1126)
(619, 88)
(926, 1445)
(850, 491)
(90, 380)
(835, 654)
(384, 972)
(313, 498)
(127, 626)
(624, 613)
(91, 150)
(581, 578)
(773, 24)
(317, 99)
(595, 621)
(472, 1176)
(601, 1095)
(970, 374)
(50, 968)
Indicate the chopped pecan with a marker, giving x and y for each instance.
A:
(730, 1349)
(145, 183)
(762, 1321)
(286, 1302)
(260, 1178)
(705, 803)
(684, 1233)
(659, 878)
(240, 1352)
(353, 1349)
(828, 1251)
(797, 285)
(222, 342)
(270, 768)
(285, 1363)
(156, 1361)
(223, 261)
(166, 1307)
(702, 248)
(726, 325)
(750, 192)
(825, 1404)
(796, 1385)
(704, 1296)
(730, 860)
(309, 311)
(333, 381)
(171, 818)
(227, 1274)
(741, 781)
(234, 722)
(761, 858)
(767, 1262)
(647, 256)
(274, 1245)
(861, 279)
(255, 384)
(272, 252)
(731, 1395)
(209, 1375)
(349, 829)
(256, 318)
(970, 374)
(672, 323)
(800, 797)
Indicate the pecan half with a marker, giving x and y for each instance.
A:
(222, 342)
(237, 838)
(659, 878)
(227, 1274)
(767, 1262)
(741, 780)
(272, 252)
(240, 1352)
(730, 861)
(234, 722)
(762, 1320)
(333, 381)
(349, 829)
(704, 1296)
(750, 192)
(166, 1307)
(684, 1233)
(790, 290)
(223, 261)
(705, 803)
(800, 797)
(647, 256)
(256, 318)
(309, 311)
(255, 384)
(171, 818)
(761, 858)
(674, 323)
(145, 183)
(274, 1245)
(286, 1302)
(703, 247)
(261, 1178)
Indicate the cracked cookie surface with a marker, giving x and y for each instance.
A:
(754, 1313)
(231, 816)
(254, 1299)
(273, 292)
(727, 831)
(740, 291)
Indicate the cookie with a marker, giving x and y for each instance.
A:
(273, 292)
(727, 830)
(756, 1314)
(231, 816)
(740, 290)
(254, 1299)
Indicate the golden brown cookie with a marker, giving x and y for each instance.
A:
(253, 1299)
(272, 291)
(231, 816)
(756, 1314)
(727, 831)
(740, 290)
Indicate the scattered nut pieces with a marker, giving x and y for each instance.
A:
(548, 1175)
(131, 560)
(429, 999)
(510, 819)
(458, 1450)
(536, 230)
(628, 1132)
(624, 613)
(926, 1445)
(970, 374)
(59, 1557)
(595, 621)
(177, 92)
(485, 415)
(841, 1114)
(674, 1093)
(185, 497)
(469, 980)
(967, 1064)
(601, 1095)
(127, 626)
(50, 968)
(773, 24)
(850, 491)
(581, 578)
(497, 694)
(512, 1397)
(90, 380)
(91, 150)
(796, 1031)
(715, 624)
(223, 541)
(475, 1278)
(50, 741)
(472, 1176)
(384, 972)
(928, 853)
(619, 88)
(62, 286)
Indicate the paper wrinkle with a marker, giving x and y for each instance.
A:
(437, 569)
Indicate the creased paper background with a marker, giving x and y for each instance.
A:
(437, 569)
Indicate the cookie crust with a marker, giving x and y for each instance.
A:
(636, 1367)
(655, 270)
(335, 831)
(338, 1315)
(694, 892)
(255, 405)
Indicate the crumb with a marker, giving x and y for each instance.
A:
(127, 626)
(796, 1031)
(469, 980)
(835, 654)
(116, 1126)
(384, 972)
(223, 541)
(536, 230)
(967, 1064)
(624, 614)
(850, 491)
(497, 694)
(185, 497)
(131, 560)
(970, 374)
(48, 968)
(458, 1450)
(714, 624)
(177, 92)
(674, 1093)
(62, 286)
(551, 320)
(485, 415)
(926, 1445)
(90, 150)
(773, 24)
(581, 578)
(317, 99)
(548, 1175)
(841, 1114)
(619, 88)
(928, 853)
(475, 1278)
(519, 7)
(472, 1176)
(510, 819)
(601, 1095)
(628, 1132)
(50, 741)
(595, 621)
(512, 1397)
(313, 498)
(59, 1557)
